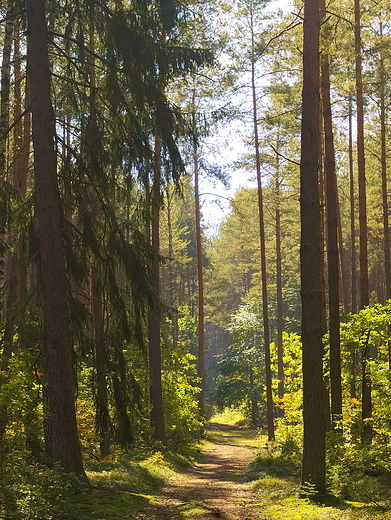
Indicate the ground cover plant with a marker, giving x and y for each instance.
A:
(353, 491)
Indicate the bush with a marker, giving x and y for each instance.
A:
(183, 422)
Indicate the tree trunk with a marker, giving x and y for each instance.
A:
(155, 362)
(332, 249)
(62, 436)
(353, 308)
(13, 285)
(102, 417)
(386, 227)
(4, 124)
(342, 264)
(265, 310)
(280, 318)
(364, 288)
(171, 273)
(364, 284)
(200, 277)
(314, 393)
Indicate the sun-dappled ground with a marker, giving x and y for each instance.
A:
(241, 477)
(236, 475)
(214, 487)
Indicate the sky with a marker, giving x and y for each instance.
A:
(214, 196)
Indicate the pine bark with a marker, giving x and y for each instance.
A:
(102, 416)
(280, 317)
(265, 310)
(332, 249)
(314, 393)
(5, 94)
(362, 198)
(362, 204)
(155, 361)
(200, 278)
(386, 225)
(61, 436)
(352, 197)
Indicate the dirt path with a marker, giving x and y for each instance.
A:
(213, 488)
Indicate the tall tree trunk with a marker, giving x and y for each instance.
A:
(332, 248)
(62, 436)
(13, 286)
(342, 264)
(362, 199)
(5, 310)
(353, 309)
(364, 288)
(386, 226)
(155, 361)
(352, 197)
(314, 393)
(171, 274)
(265, 310)
(280, 317)
(200, 277)
(102, 416)
(4, 124)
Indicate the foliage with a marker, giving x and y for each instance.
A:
(240, 367)
(183, 422)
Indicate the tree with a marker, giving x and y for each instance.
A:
(265, 311)
(155, 364)
(332, 211)
(314, 394)
(61, 434)
(364, 282)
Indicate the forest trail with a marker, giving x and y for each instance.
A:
(214, 487)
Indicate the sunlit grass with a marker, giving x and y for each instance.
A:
(122, 484)
(276, 482)
(230, 416)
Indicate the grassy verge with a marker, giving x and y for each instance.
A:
(276, 481)
(123, 484)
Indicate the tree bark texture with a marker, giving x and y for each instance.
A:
(62, 436)
(265, 310)
(362, 197)
(155, 361)
(314, 393)
(353, 307)
(102, 416)
(362, 204)
(280, 317)
(4, 124)
(332, 249)
(200, 278)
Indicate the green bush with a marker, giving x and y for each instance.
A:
(180, 390)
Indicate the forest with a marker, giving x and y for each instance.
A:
(127, 322)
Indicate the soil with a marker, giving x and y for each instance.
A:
(214, 487)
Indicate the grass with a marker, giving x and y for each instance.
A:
(104, 505)
(276, 482)
(230, 416)
(123, 484)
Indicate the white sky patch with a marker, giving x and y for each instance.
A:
(214, 196)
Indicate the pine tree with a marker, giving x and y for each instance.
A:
(314, 394)
(61, 433)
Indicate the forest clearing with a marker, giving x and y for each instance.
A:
(129, 322)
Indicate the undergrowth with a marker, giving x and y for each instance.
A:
(120, 485)
(354, 494)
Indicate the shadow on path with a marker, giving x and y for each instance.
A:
(214, 487)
